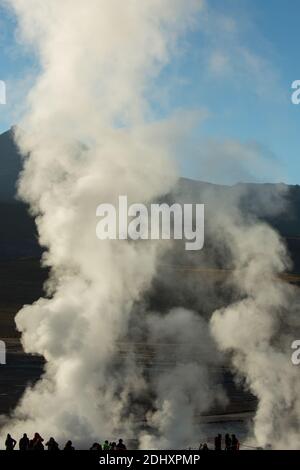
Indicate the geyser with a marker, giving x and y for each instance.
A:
(89, 137)
(96, 65)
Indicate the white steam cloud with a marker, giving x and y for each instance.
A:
(89, 137)
(87, 140)
(183, 386)
(258, 329)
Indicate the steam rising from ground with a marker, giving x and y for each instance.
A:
(183, 388)
(89, 140)
(97, 63)
(258, 329)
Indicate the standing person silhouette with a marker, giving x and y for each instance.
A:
(24, 442)
(69, 446)
(121, 445)
(218, 442)
(37, 442)
(227, 442)
(235, 445)
(52, 444)
(10, 443)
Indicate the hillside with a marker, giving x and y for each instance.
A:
(277, 204)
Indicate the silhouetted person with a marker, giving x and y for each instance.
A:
(235, 445)
(112, 446)
(204, 447)
(24, 442)
(106, 445)
(121, 445)
(96, 447)
(218, 442)
(37, 442)
(69, 446)
(10, 442)
(227, 442)
(52, 444)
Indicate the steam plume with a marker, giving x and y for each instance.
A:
(258, 329)
(87, 140)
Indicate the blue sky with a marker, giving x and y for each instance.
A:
(233, 71)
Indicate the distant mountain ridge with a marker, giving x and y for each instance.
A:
(10, 166)
(18, 234)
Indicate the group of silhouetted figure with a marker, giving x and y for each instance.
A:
(231, 444)
(37, 443)
(109, 446)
